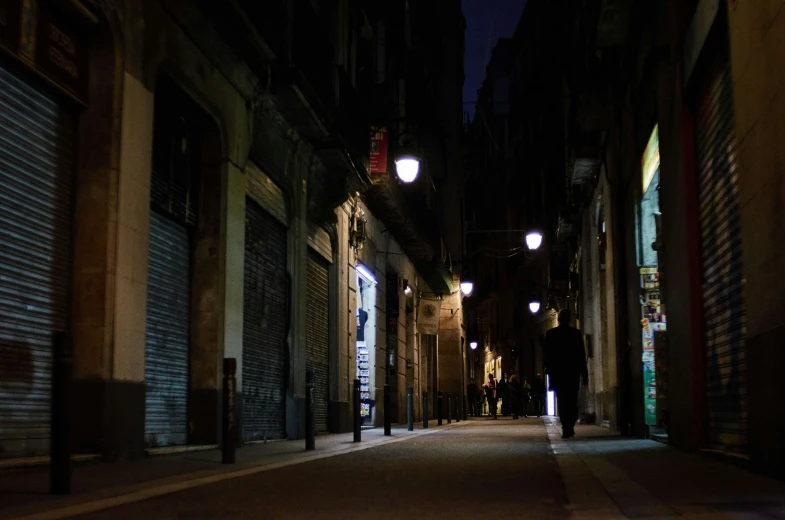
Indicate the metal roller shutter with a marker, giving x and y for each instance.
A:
(723, 299)
(319, 240)
(167, 335)
(36, 173)
(317, 335)
(264, 325)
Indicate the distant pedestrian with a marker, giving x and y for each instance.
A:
(526, 394)
(538, 393)
(514, 391)
(503, 392)
(472, 395)
(565, 364)
(490, 395)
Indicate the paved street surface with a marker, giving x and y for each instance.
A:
(475, 469)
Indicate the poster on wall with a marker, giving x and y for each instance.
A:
(364, 375)
(652, 321)
(428, 317)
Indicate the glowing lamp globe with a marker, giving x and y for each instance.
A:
(533, 240)
(467, 288)
(534, 307)
(473, 345)
(407, 167)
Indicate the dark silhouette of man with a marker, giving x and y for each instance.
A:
(362, 317)
(565, 363)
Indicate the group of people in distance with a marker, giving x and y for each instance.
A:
(513, 395)
(565, 364)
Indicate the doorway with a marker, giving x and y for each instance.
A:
(366, 344)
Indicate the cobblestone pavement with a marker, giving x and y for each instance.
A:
(502, 468)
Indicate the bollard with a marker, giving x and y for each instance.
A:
(229, 433)
(438, 408)
(449, 408)
(59, 443)
(425, 410)
(387, 418)
(410, 409)
(357, 417)
(310, 417)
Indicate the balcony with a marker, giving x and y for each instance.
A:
(404, 211)
(295, 54)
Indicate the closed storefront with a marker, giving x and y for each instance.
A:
(265, 311)
(174, 206)
(36, 178)
(167, 334)
(724, 321)
(317, 332)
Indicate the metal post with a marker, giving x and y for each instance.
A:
(449, 408)
(466, 408)
(59, 443)
(410, 409)
(458, 407)
(310, 418)
(425, 410)
(439, 408)
(229, 432)
(357, 417)
(387, 418)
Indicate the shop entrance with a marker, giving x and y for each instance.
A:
(653, 323)
(366, 344)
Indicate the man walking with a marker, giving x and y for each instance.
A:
(539, 391)
(565, 363)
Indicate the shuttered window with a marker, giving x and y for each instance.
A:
(317, 334)
(264, 325)
(167, 333)
(36, 175)
(724, 316)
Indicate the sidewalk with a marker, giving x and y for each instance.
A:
(24, 492)
(610, 477)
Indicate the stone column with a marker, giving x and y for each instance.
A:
(297, 257)
(449, 355)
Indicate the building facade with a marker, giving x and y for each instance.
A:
(194, 183)
(668, 115)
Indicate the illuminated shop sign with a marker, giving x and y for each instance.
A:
(651, 158)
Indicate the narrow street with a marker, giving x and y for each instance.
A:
(474, 469)
(480, 468)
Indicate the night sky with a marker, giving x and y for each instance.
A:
(486, 22)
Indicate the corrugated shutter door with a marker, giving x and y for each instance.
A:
(167, 335)
(723, 299)
(319, 240)
(264, 325)
(36, 172)
(317, 335)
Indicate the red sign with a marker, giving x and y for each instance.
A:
(379, 144)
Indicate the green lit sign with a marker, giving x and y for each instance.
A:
(651, 158)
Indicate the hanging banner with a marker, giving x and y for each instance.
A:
(380, 141)
(428, 317)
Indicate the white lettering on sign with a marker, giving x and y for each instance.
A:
(61, 39)
(63, 63)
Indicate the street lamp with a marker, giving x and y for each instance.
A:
(407, 166)
(534, 306)
(467, 288)
(473, 345)
(533, 240)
